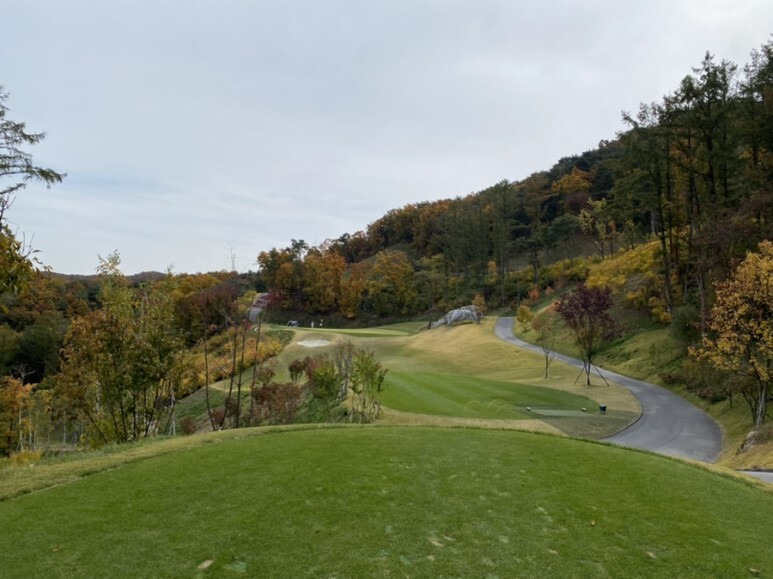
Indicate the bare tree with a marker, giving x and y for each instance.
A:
(544, 326)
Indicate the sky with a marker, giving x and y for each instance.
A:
(196, 134)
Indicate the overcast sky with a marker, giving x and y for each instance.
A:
(192, 131)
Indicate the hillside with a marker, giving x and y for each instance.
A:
(645, 349)
(691, 174)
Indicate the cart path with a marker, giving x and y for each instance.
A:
(668, 424)
(763, 475)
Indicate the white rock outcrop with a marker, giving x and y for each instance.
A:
(459, 315)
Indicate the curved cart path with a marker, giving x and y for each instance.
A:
(668, 424)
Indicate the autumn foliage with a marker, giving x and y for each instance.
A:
(586, 312)
(741, 329)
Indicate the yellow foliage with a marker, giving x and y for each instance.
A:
(568, 270)
(525, 316)
(26, 457)
(741, 316)
(614, 272)
(742, 324)
(480, 302)
(220, 358)
(634, 270)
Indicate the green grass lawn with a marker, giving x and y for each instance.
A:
(471, 397)
(479, 399)
(385, 501)
(401, 329)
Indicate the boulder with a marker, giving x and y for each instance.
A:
(460, 315)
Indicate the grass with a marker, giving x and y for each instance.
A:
(470, 397)
(467, 397)
(392, 501)
(465, 372)
(401, 329)
(309, 501)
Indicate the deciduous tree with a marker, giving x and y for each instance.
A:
(324, 383)
(544, 325)
(741, 338)
(586, 312)
(576, 189)
(121, 364)
(324, 273)
(390, 284)
(525, 316)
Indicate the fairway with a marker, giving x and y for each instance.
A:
(471, 397)
(401, 329)
(365, 501)
(466, 373)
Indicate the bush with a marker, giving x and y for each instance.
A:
(188, 425)
(218, 415)
(524, 316)
(277, 403)
(705, 381)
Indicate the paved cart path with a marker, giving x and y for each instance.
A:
(669, 424)
(763, 475)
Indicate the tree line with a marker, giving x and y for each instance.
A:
(693, 172)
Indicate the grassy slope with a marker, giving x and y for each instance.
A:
(468, 376)
(384, 501)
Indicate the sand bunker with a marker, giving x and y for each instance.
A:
(314, 343)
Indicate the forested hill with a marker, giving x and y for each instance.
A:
(692, 171)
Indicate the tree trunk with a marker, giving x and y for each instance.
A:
(761, 405)
(254, 381)
(239, 379)
(227, 403)
(206, 384)
(587, 372)
(703, 305)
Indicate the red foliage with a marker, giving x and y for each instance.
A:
(277, 403)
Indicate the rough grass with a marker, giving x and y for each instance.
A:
(52, 471)
(405, 501)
